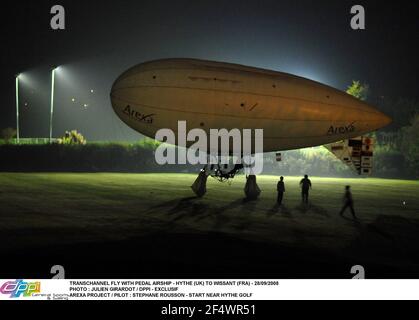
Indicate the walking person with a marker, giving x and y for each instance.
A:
(281, 190)
(305, 188)
(348, 202)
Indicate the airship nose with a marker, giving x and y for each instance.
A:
(374, 118)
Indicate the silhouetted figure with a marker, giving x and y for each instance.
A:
(200, 184)
(305, 188)
(348, 202)
(281, 190)
(251, 189)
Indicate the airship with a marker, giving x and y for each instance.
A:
(293, 112)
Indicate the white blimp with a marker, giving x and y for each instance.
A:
(292, 111)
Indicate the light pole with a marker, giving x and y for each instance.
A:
(17, 110)
(52, 102)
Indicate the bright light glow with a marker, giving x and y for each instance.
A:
(17, 109)
(52, 102)
(92, 91)
(308, 75)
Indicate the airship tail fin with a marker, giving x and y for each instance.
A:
(356, 153)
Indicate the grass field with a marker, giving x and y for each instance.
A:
(59, 212)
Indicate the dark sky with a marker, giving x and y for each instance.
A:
(103, 38)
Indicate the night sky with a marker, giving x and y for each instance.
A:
(102, 39)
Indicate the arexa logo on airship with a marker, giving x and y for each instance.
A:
(19, 288)
(222, 147)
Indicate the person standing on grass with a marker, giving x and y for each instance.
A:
(281, 190)
(348, 202)
(305, 188)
